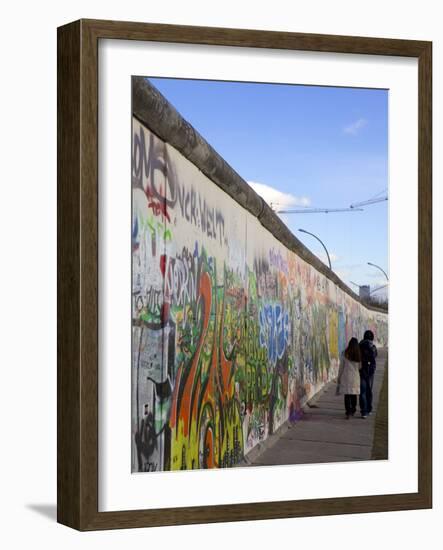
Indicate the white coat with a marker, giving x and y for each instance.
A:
(349, 376)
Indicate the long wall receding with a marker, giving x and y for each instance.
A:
(232, 329)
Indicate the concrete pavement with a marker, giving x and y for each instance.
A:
(323, 434)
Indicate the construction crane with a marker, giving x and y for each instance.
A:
(376, 198)
(366, 203)
(313, 210)
(354, 207)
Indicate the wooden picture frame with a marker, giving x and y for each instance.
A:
(77, 457)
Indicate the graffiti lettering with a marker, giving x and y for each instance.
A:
(229, 338)
(163, 189)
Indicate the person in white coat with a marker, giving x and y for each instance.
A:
(348, 380)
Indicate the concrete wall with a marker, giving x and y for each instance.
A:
(232, 330)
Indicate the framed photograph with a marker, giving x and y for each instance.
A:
(244, 253)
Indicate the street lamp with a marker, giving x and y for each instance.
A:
(321, 242)
(382, 270)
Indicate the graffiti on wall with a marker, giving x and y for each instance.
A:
(230, 334)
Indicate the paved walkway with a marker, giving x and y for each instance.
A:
(323, 434)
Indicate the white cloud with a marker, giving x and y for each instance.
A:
(324, 258)
(346, 276)
(343, 273)
(376, 277)
(278, 199)
(355, 126)
(347, 273)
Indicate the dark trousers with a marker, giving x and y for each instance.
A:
(366, 383)
(350, 403)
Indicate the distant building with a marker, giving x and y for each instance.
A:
(365, 291)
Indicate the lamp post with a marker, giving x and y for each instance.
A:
(382, 270)
(321, 242)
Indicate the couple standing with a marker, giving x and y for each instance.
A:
(356, 374)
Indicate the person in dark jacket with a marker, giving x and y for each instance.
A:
(368, 365)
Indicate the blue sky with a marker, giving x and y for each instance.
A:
(299, 146)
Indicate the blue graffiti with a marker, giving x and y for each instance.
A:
(274, 331)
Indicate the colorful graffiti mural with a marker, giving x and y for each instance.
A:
(232, 332)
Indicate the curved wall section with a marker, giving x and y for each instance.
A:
(233, 331)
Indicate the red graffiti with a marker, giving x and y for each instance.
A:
(192, 384)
